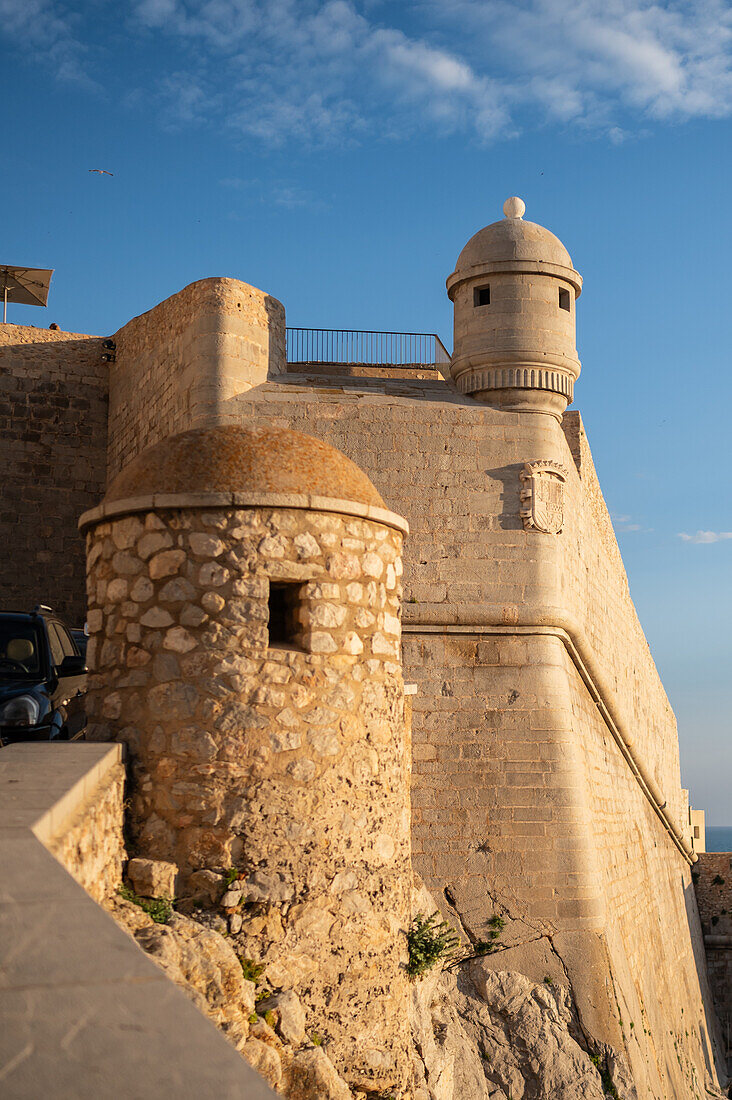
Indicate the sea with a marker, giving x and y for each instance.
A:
(719, 838)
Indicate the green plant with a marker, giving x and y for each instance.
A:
(253, 1018)
(315, 1039)
(262, 995)
(605, 1077)
(548, 980)
(159, 909)
(252, 971)
(497, 924)
(231, 875)
(717, 881)
(270, 1018)
(429, 941)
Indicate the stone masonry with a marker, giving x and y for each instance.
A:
(713, 887)
(53, 424)
(546, 786)
(286, 761)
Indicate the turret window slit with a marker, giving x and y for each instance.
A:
(284, 614)
(564, 300)
(482, 296)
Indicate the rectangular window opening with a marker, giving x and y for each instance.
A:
(564, 300)
(284, 614)
(482, 296)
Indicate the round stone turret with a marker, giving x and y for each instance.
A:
(244, 617)
(514, 290)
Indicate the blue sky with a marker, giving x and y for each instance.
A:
(339, 154)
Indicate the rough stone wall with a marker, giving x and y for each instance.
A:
(53, 424)
(178, 364)
(91, 845)
(713, 886)
(291, 764)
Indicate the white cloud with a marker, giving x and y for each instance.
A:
(702, 537)
(46, 35)
(622, 523)
(336, 70)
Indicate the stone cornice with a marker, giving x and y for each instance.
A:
(160, 501)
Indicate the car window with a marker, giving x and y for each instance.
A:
(20, 648)
(67, 642)
(57, 649)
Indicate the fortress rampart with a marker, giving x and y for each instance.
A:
(178, 365)
(545, 773)
(53, 424)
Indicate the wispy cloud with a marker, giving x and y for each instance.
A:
(702, 537)
(341, 70)
(328, 70)
(276, 193)
(624, 523)
(48, 35)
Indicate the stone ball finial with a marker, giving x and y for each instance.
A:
(514, 207)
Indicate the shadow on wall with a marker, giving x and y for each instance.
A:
(509, 518)
(53, 418)
(277, 357)
(708, 1034)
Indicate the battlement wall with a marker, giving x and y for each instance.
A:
(179, 364)
(53, 421)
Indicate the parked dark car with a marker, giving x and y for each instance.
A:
(42, 679)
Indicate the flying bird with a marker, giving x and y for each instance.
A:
(101, 171)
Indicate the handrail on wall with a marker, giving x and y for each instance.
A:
(366, 347)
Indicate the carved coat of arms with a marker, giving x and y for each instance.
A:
(542, 496)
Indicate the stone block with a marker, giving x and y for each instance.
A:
(152, 878)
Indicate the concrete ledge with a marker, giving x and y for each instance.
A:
(83, 1011)
(159, 501)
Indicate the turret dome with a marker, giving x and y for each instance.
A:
(501, 244)
(514, 289)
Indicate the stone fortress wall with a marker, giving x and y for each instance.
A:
(546, 780)
(523, 801)
(713, 888)
(53, 423)
(178, 364)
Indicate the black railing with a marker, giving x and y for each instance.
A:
(335, 345)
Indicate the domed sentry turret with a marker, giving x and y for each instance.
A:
(514, 290)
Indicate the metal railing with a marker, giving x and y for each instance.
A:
(366, 348)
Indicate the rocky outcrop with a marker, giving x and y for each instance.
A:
(270, 1034)
(495, 1035)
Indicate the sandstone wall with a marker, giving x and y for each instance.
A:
(544, 745)
(451, 467)
(91, 845)
(651, 926)
(53, 424)
(180, 363)
(290, 763)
